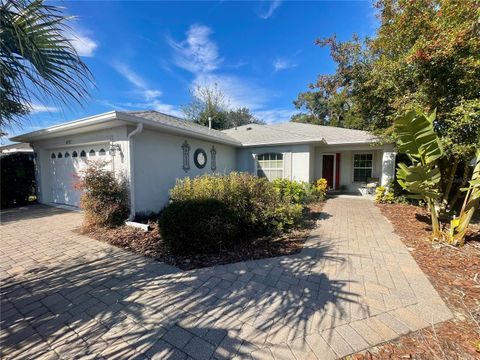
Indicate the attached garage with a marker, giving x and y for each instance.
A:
(66, 166)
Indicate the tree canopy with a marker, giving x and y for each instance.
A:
(426, 54)
(210, 102)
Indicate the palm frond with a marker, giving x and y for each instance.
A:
(37, 59)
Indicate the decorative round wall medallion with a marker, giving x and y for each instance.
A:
(200, 158)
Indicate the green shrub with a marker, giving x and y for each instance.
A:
(383, 195)
(296, 192)
(254, 204)
(104, 199)
(300, 192)
(197, 226)
(18, 179)
(320, 187)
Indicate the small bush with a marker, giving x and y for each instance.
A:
(384, 196)
(320, 187)
(252, 201)
(197, 226)
(296, 192)
(104, 199)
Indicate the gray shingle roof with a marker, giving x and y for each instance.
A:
(291, 132)
(182, 124)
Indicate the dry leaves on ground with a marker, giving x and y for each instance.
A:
(150, 243)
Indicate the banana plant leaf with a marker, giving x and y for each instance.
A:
(416, 137)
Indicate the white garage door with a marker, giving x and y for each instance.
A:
(66, 167)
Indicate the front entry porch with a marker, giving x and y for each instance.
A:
(349, 169)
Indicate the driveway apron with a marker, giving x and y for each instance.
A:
(64, 295)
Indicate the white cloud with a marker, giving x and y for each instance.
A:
(197, 53)
(282, 64)
(38, 108)
(200, 55)
(268, 8)
(83, 44)
(272, 116)
(137, 81)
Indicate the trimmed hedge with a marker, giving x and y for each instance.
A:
(251, 206)
(197, 226)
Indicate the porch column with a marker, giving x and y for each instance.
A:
(388, 167)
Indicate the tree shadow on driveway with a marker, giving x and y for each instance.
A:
(117, 304)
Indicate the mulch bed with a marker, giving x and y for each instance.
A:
(150, 243)
(455, 273)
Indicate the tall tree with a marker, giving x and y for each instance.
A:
(426, 54)
(37, 59)
(241, 116)
(209, 102)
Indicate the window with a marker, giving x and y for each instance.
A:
(74, 154)
(59, 155)
(91, 153)
(102, 152)
(83, 154)
(67, 154)
(270, 166)
(362, 167)
(53, 156)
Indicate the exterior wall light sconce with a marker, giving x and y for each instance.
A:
(114, 148)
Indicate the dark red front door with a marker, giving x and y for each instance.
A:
(327, 169)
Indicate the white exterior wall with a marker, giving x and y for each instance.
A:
(158, 162)
(296, 160)
(43, 150)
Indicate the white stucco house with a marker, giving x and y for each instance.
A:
(152, 150)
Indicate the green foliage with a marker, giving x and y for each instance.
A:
(416, 138)
(18, 179)
(37, 60)
(293, 191)
(424, 54)
(210, 102)
(255, 205)
(320, 188)
(198, 226)
(104, 199)
(384, 196)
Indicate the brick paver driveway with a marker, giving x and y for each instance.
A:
(64, 295)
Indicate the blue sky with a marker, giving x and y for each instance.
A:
(150, 55)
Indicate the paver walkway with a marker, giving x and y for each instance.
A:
(64, 295)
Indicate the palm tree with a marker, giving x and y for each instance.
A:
(37, 59)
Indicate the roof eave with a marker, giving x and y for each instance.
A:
(71, 125)
(114, 115)
(174, 129)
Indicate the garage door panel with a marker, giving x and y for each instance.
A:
(66, 167)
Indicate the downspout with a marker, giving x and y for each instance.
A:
(138, 130)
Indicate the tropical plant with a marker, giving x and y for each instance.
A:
(416, 137)
(37, 59)
(459, 226)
